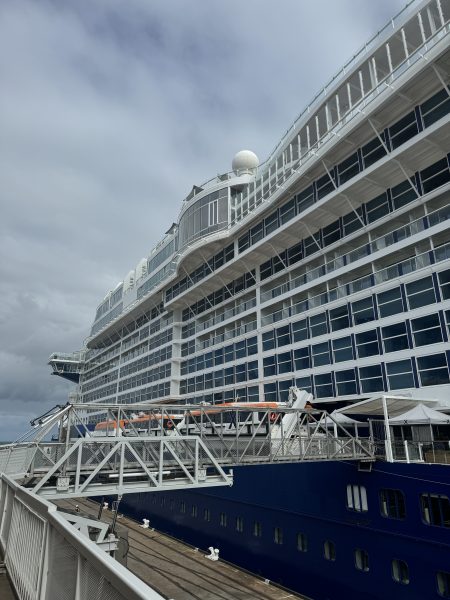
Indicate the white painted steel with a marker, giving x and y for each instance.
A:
(193, 453)
(48, 559)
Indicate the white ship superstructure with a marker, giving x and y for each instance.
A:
(325, 267)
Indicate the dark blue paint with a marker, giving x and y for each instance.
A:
(311, 498)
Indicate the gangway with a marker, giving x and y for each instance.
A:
(147, 447)
(138, 448)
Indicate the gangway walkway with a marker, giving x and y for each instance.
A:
(143, 448)
(146, 448)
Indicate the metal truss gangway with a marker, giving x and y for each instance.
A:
(147, 447)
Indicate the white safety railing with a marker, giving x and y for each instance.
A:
(48, 559)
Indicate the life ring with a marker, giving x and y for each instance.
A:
(273, 417)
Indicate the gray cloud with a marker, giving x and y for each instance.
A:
(109, 112)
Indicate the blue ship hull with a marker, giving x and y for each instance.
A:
(310, 498)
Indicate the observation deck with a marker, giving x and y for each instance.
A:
(67, 365)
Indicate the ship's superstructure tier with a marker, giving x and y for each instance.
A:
(327, 267)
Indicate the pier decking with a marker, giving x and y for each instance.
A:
(6, 592)
(181, 572)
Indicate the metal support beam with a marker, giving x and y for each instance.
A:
(439, 76)
(388, 152)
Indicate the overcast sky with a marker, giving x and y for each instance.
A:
(110, 111)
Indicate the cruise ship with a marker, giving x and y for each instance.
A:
(325, 267)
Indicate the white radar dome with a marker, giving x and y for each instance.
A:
(245, 161)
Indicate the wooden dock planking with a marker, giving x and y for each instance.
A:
(180, 572)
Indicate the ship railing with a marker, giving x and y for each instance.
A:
(411, 451)
(228, 335)
(48, 558)
(395, 271)
(239, 434)
(331, 87)
(439, 216)
(426, 451)
(227, 314)
(144, 448)
(331, 132)
(68, 356)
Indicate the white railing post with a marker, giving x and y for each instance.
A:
(406, 451)
(387, 442)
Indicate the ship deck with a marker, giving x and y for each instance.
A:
(181, 572)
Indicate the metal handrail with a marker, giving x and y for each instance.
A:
(59, 560)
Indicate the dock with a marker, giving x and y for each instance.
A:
(179, 571)
(6, 591)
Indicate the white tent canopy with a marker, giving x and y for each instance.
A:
(341, 419)
(394, 405)
(421, 415)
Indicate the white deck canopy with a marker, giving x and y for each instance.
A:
(421, 415)
(386, 406)
(380, 405)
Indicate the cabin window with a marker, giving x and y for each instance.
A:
(361, 560)
(329, 550)
(390, 302)
(435, 107)
(321, 354)
(435, 509)
(403, 130)
(207, 514)
(433, 369)
(367, 343)
(400, 571)
(323, 385)
(339, 318)
(373, 151)
(183, 506)
(318, 324)
(426, 330)
(194, 510)
(435, 175)
(278, 535)
(300, 330)
(444, 280)
(353, 221)
(371, 379)
(402, 194)
(399, 374)
(392, 504)
(223, 519)
(284, 361)
(302, 359)
(239, 524)
(357, 498)
(443, 584)
(213, 213)
(342, 349)
(283, 336)
(302, 542)
(346, 382)
(363, 311)
(395, 337)
(269, 366)
(257, 529)
(420, 292)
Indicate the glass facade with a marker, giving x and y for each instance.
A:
(202, 217)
